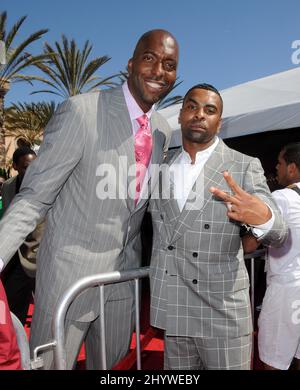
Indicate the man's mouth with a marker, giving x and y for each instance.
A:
(198, 126)
(156, 85)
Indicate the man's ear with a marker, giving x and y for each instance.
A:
(129, 66)
(179, 120)
(292, 169)
(219, 126)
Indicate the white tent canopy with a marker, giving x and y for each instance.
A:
(269, 103)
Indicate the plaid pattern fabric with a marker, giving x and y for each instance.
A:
(199, 288)
(193, 353)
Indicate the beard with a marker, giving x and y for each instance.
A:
(198, 137)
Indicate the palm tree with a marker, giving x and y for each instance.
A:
(27, 121)
(5, 169)
(17, 60)
(68, 71)
(168, 100)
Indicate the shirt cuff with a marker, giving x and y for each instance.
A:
(260, 230)
(1, 264)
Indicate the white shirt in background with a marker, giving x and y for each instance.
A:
(283, 265)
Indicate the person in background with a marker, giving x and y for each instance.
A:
(18, 285)
(279, 320)
(2, 180)
(10, 357)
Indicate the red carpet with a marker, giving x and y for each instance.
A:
(152, 346)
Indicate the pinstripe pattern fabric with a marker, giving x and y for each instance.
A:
(118, 336)
(84, 235)
(199, 288)
(8, 192)
(193, 353)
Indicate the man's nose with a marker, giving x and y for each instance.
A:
(157, 69)
(200, 113)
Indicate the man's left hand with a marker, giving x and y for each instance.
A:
(243, 207)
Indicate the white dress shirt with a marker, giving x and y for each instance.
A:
(184, 174)
(134, 109)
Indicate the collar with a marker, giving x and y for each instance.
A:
(134, 109)
(202, 154)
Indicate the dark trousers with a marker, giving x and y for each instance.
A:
(18, 287)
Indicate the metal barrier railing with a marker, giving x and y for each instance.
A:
(68, 297)
(252, 256)
(101, 280)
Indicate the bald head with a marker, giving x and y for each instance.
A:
(160, 34)
(152, 69)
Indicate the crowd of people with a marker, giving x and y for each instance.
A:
(89, 187)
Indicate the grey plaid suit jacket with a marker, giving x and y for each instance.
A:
(84, 234)
(199, 288)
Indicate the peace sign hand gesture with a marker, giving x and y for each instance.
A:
(243, 207)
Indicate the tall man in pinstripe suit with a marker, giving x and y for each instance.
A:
(87, 230)
(199, 287)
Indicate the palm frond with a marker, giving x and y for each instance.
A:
(3, 19)
(28, 120)
(68, 69)
(14, 31)
(17, 59)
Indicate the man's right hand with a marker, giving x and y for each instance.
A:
(244, 207)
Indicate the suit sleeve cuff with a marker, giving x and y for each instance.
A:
(260, 230)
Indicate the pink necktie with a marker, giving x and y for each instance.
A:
(143, 150)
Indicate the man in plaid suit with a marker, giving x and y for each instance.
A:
(199, 286)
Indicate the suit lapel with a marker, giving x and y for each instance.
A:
(212, 175)
(167, 203)
(120, 128)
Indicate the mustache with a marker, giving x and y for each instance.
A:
(199, 123)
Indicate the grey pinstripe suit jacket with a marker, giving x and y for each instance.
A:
(84, 235)
(199, 288)
(8, 192)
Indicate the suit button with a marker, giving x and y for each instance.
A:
(195, 254)
(206, 226)
(170, 247)
(195, 281)
(161, 216)
(166, 271)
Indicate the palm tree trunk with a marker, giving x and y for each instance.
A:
(4, 88)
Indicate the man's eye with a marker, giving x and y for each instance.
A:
(191, 107)
(170, 66)
(148, 58)
(210, 110)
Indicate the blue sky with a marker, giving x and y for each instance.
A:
(221, 42)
